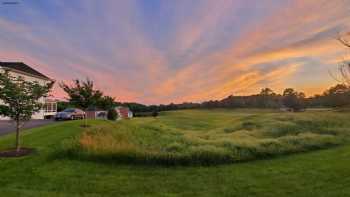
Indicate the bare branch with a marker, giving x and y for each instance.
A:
(344, 42)
(344, 66)
(341, 38)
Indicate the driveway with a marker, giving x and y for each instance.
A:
(8, 126)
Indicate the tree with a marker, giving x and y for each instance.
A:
(293, 99)
(267, 92)
(62, 105)
(82, 93)
(344, 67)
(338, 96)
(267, 99)
(155, 113)
(21, 99)
(106, 102)
(112, 114)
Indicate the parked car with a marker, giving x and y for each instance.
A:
(70, 114)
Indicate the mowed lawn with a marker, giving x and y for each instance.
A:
(324, 172)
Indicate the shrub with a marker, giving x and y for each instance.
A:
(155, 113)
(112, 114)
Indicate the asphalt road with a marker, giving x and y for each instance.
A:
(8, 126)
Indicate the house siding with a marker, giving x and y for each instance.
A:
(41, 113)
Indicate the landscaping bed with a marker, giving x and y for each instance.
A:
(14, 153)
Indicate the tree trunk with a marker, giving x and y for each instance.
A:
(17, 136)
(85, 121)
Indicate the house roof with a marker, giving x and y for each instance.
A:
(23, 68)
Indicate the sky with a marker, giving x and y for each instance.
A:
(163, 51)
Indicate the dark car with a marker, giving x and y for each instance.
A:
(70, 114)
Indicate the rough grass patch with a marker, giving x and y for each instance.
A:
(174, 140)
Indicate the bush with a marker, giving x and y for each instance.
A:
(155, 113)
(112, 115)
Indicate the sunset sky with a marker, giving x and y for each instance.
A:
(162, 51)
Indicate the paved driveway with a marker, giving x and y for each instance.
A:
(8, 126)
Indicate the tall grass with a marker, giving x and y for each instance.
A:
(209, 137)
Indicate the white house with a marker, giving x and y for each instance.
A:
(17, 69)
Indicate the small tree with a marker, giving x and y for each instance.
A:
(293, 99)
(112, 115)
(20, 99)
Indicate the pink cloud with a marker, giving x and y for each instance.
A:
(115, 50)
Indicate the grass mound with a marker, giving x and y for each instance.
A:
(209, 137)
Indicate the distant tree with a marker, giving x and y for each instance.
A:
(106, 102)
(317, 101)
(135, 107)
(293, 99)
(267, 92)
(338, 95)
(82, 93)
(267, 99)
(21, 100)
(155, 113)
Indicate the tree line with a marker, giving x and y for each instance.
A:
(290, 99)
(83, 95)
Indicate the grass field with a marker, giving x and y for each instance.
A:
(210, 137)
(315, 173)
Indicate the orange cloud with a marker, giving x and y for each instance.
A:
(115, 50)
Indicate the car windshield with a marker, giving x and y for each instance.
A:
(68, 110)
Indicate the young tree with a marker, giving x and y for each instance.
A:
(82, 93)
(20, 100)
(293, 99)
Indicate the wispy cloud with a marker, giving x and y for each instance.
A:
(179, 51)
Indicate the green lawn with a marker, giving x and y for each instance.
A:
(316, 173)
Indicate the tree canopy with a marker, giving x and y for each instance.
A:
(293, 99)
(82, 94)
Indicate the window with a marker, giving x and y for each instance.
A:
(50, 107)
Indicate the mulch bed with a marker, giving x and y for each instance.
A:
(13, 153)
